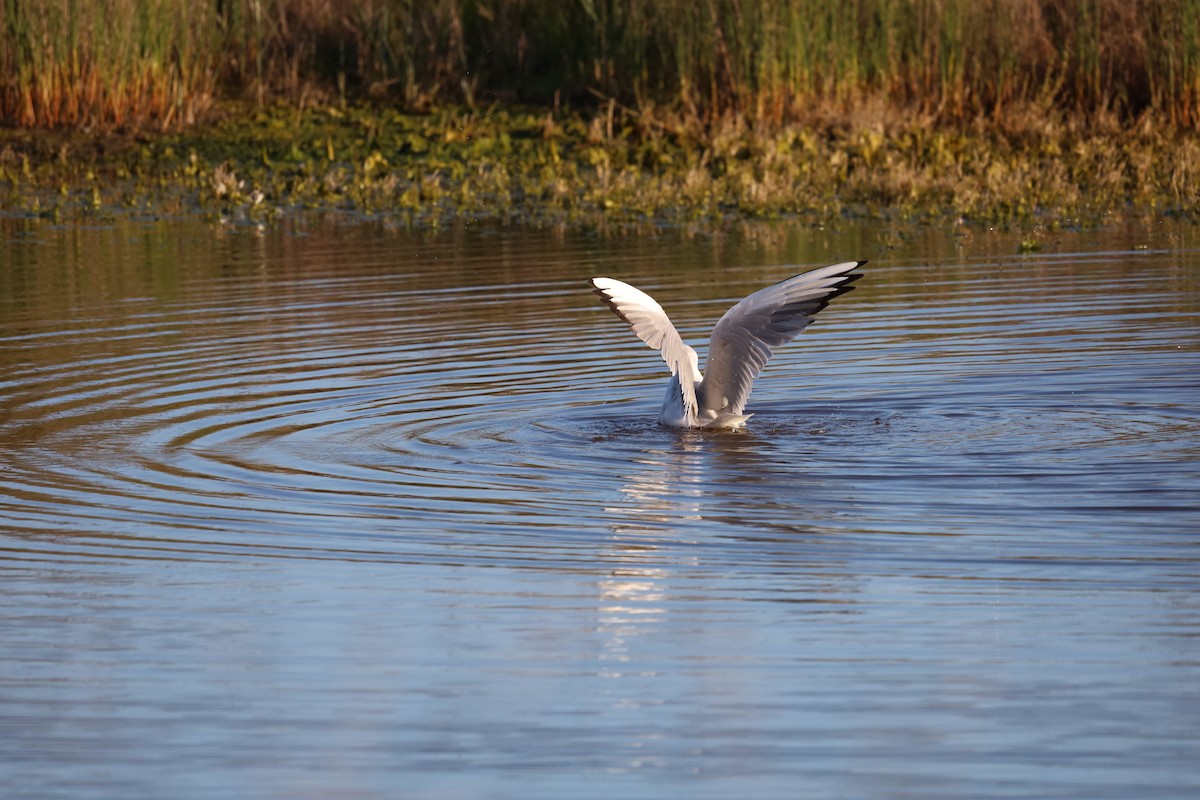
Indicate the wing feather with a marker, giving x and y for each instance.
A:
(652, 325)
(746, 336)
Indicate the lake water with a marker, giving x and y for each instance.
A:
(337, 510)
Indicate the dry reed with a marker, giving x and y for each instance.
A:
(132, 63)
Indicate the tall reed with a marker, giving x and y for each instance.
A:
(107, 63)
(160, 62)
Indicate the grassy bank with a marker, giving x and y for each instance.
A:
(162, 64)
(510, 164)
(601, 111)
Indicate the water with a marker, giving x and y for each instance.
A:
(341, 511)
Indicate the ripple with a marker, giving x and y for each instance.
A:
(358, 494)
(395, 413)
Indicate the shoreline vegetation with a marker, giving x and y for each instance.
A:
(599, 112)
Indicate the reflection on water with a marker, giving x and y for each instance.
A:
(356, 512)
(667, 484)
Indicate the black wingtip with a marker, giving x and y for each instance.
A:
(603, 295)
(608, 300)
(848, 278)
(844, 285)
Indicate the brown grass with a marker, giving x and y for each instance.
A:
(135, 63)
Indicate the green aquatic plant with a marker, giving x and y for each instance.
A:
(508, 165)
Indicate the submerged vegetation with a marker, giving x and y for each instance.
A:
(588, 110)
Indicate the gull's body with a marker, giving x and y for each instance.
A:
(742, 341)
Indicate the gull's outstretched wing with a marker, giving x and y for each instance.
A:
(652, 326)
(745, 338)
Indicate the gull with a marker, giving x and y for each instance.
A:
(742, 341)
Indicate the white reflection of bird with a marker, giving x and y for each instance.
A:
(742, 341)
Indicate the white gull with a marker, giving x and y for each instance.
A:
(742, 341)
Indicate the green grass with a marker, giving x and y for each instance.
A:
(128, 64)
(602, 111)
(520, 165)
